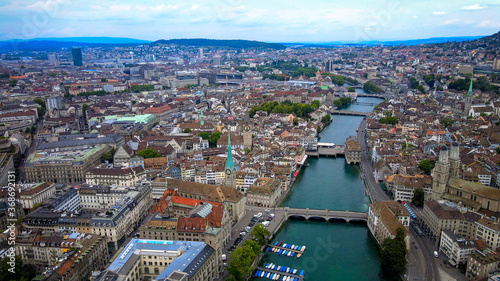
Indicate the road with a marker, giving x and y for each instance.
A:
(422, 264)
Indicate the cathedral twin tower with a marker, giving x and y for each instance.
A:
(447, 166)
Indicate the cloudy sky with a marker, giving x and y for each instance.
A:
(266, 20)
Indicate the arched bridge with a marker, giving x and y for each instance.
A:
(325, 214)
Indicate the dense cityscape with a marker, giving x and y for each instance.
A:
(196, 159)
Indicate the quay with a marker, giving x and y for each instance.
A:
(300, 278)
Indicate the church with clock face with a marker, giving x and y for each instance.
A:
(230, 170)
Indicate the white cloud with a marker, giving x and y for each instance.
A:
(195, 7)
(450, 22)
(475, 7)
(438, 13)
(489, 24)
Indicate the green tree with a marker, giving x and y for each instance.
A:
(108, 156)
(425, 165)
(394, 255)
(187, 130)
(261, 234)
(447, 121)
(326, 118)
(204, 135)
(41, 108)
(148, 153)
(339, 80)
(389, 120)
(214, 137)
(418, 197)
(22, 272)
(13, 82)
(295, 121)
(372, 88)
(498, 150)
(104, 80)
(247, 150)
(351, 90)
(52, 74)
(240, 263)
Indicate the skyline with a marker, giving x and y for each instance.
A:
(263, 21)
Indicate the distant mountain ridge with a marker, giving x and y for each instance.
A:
(90, 40)
(386, 43)
(236, 43)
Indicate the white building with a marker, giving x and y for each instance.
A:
(456, 249)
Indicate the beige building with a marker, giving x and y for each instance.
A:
(264, 192)
(481, 263)
(441, 215)
(116, 176)
(67, 167)
(190, 220)
(488, 231)
(352, 152)
(384, 218)
(404, 186)
(75, 255)
(232, 199)
(32, 194)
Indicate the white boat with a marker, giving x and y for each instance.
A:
(262, 274)
(294, 271)
(279, 267)
(303, 248)
(289, 253)
(268, 274)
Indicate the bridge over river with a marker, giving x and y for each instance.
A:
(327, 215)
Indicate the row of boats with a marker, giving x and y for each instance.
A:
(284, 269)
(289, 249)
(274, 276)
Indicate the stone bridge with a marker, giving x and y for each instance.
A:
(327, 215)
(346, 112)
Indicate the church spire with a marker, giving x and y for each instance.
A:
(202, 122)
(469, 94)
(229, 161)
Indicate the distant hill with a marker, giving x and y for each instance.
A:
(53, 44)
(239, 44)
(492, 41)
(95, 40)
(385, 43)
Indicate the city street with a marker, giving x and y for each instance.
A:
(421, 262)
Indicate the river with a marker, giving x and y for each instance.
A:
(335, 251)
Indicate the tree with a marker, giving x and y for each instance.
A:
(148, 153)
(108, 156)
(261, 233)
(214, 137)
(418, 197)
(52, 74)
(425, 165)
(326, 118)
(498, 150)
(247, 150)
(339, 80)
(23, 272)
(41, 108)
(372, 88)
(104, 80)
(204, 135)
(351, 90)
(447, 121)
(240, 264)
(13, 82)
(187, 130)
(295, 121)
(394, 255)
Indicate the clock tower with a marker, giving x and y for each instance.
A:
(229, 170)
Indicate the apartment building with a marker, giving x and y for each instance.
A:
(116, 176)
(384, 218)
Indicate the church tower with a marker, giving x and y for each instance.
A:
(247, 134)
(468, 100)
(440, 174)
(229, 169)
(455, 162)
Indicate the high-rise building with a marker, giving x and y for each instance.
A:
(201, 53)
(77, 56)
(54, 102)
(52, 59)
(217, 60)
(329, 65)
